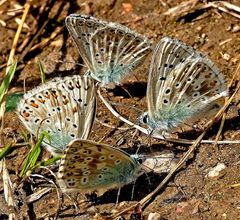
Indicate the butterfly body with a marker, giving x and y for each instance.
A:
(88, 166)
(64, 108)
(183, 86)
(110, 50)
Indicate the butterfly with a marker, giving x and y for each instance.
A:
(87, 166)
(183, 86)
(63, 107)
(110, 50)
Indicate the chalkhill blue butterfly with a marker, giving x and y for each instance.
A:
(183, 87)
(110, 50)
(63, 107)
(88, 166)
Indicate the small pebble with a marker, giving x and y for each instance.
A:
(215, 171)
(153, 216)
(235, 28)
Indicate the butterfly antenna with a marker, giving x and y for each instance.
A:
(117, 115)
(110, 126)
(38, 129)
(128, 106)
(148, 137)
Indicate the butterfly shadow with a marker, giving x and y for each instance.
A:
(145, 184)
(130, 90)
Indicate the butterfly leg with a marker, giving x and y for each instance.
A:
(118, 194)
(133, 188)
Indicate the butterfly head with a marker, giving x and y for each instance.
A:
(144, 118)
(150, 122)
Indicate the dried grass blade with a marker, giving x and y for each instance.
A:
(8, 189)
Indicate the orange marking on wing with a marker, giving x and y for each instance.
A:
(74, 109)
(65, 102)
(41, 100)
(47, 96)
(34, 105)
(26, 114)
(54, 95)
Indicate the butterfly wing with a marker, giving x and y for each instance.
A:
(55, 107)
(89, 166)
(110, 50)
(183, 85)
(82, 89)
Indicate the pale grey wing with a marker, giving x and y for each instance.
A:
(81, 28)
(196, 84)
(116, 52)
(82, 90)
(167, 55)
(183, 85)
(51, 110)
(110, 50)
(54, 109)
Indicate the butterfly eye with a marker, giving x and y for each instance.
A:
(145, 118)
